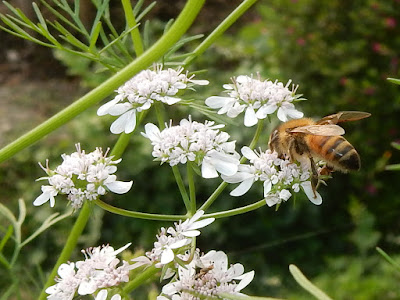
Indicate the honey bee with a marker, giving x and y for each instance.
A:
(304, 140)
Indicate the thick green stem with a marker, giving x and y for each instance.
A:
(236, 211)
(179, 27)
(240, 10)
(70, 245)
(138, 215)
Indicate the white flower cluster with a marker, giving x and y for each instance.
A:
(173, 241)
(99, 270)
(82, 177)
(140, 92)
(201, 143)
(207, 276)
(258, 99)
(278, 176)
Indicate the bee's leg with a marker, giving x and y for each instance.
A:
(314, 176)
(325, 171)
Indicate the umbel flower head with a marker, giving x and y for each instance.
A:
(82, 177)
(201, 143)
(173, 241)
(279, 177)
(257, 99)
(140, 92)
(99, 270)
(207, 275)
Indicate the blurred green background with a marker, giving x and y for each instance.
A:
(339, 52)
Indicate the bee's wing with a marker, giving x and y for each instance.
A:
(326, 130)
(343, 116)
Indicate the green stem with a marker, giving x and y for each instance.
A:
(131, 22)
(213, 196)
(257, 134)
(241, 9)
(138, 215)
(236, 211)
(181, 186)
(192, 188)
(179, 27)
(120, 145)
(140, 279)
(70, 245)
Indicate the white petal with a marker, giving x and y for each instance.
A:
(250, 118)
(265, 110)
(267, 187)
(87, 287)
(170, 100)
(245, 280)
(127, 120)
(167, 256)
(242, 188)
(202, 223)
(103, 110)
(282, 115)
(208, 170)
(43, 198)
(119, 108)
(238, 176)
(271, 200)
(116, 297)
(248, 153)
(119, 187)
(152, 132)
(216, 101)
(170, 288)
(224, 163)
(197, 215)
(102, 295)
(294, 113)
(191, 233)
(179, 243)
(200, 82)
(307, 188)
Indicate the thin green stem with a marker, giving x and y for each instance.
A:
(192, 188)
(70, 245)
(236, 211)
(140, 279)
(120, 145)
(131, 22)
(181, 186)
(179, 27)
(138, 215)
(257, 134)
(240, 10)
(214, 196)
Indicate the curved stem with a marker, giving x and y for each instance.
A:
(138, 215)
(179, 27)
(70, 245)
(241, 9)
(236, 211)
